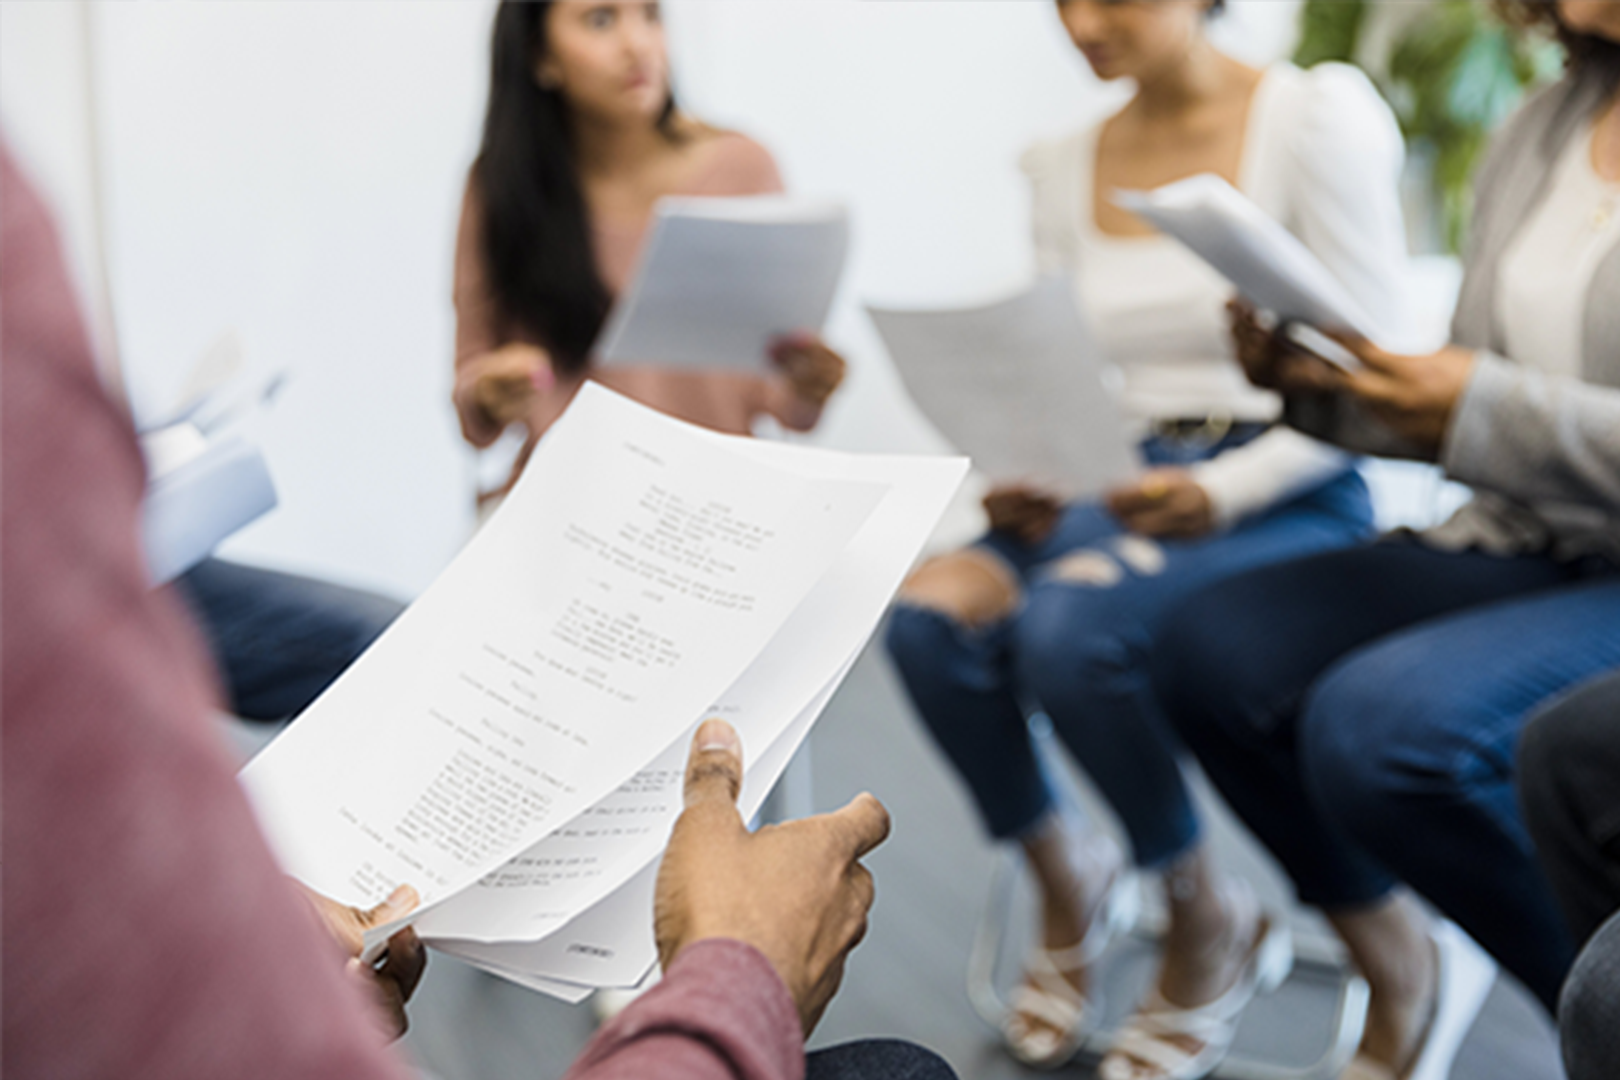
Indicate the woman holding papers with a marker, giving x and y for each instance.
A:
(1361, 709)
(581, 140)
(1059, 607)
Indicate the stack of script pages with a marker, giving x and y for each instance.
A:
(514, 746)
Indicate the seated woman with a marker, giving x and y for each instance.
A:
(1360, 709)
(1059, 607)
(581, 140)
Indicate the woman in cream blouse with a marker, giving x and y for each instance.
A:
(1058, 607)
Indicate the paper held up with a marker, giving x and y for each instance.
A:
(721, 279)
(513, 746)
(1266, 263)
(1018, 385)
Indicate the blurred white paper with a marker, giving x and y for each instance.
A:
(719, 279)
(1016, 385)
(636, 570)
(1265, 262)
(198, 492)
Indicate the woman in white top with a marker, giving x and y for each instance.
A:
(1057, 607)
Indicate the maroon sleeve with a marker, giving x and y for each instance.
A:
(721, 1013)
(147, 933)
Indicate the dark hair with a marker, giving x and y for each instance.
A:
(537, 237)
(1587, 52)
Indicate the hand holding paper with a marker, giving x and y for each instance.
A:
(1018, 386)
(796, 892)
(1268, 264)
(721, 280)
(524, 723)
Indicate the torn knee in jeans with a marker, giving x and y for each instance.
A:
(1088, 567)
(972, 587)
(1142, 555)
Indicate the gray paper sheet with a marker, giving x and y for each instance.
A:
(1017, 386)
(721, 278)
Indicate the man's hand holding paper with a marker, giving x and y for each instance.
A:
(796, 892)
(521, 705)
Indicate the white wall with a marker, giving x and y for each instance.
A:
(292, 172)
(46, 98)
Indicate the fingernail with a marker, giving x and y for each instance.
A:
(542, 378)
(402, 896)
(717, 735)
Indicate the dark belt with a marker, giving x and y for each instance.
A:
(1209, 429)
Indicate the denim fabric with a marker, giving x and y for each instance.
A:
(279, 640)
(876, 1059)
(1078, 652)
(1360, 711)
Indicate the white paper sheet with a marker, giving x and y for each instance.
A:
(1018, 386)
(1268, 264)
(721, 278)
(637, 566)
(798, 670)
(611, 944)
(200, 492)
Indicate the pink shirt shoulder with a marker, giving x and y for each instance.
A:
(734, 165)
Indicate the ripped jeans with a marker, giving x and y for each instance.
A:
(1077, 649)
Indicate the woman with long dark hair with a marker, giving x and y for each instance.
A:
(581, 140)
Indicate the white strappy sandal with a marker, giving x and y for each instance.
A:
(1049, 997)
(1148, 1038)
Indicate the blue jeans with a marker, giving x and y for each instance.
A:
(1078, 652)
(279, 640)
(1360, 711)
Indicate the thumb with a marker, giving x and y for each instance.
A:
(400, 903)
(714, 770)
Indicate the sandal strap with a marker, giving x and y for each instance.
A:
(1055, 1010)
(1169, 1059)
(1210, 1026)
(1146, 1036)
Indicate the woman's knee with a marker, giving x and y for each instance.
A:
(1381, 732)
(973, 587)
